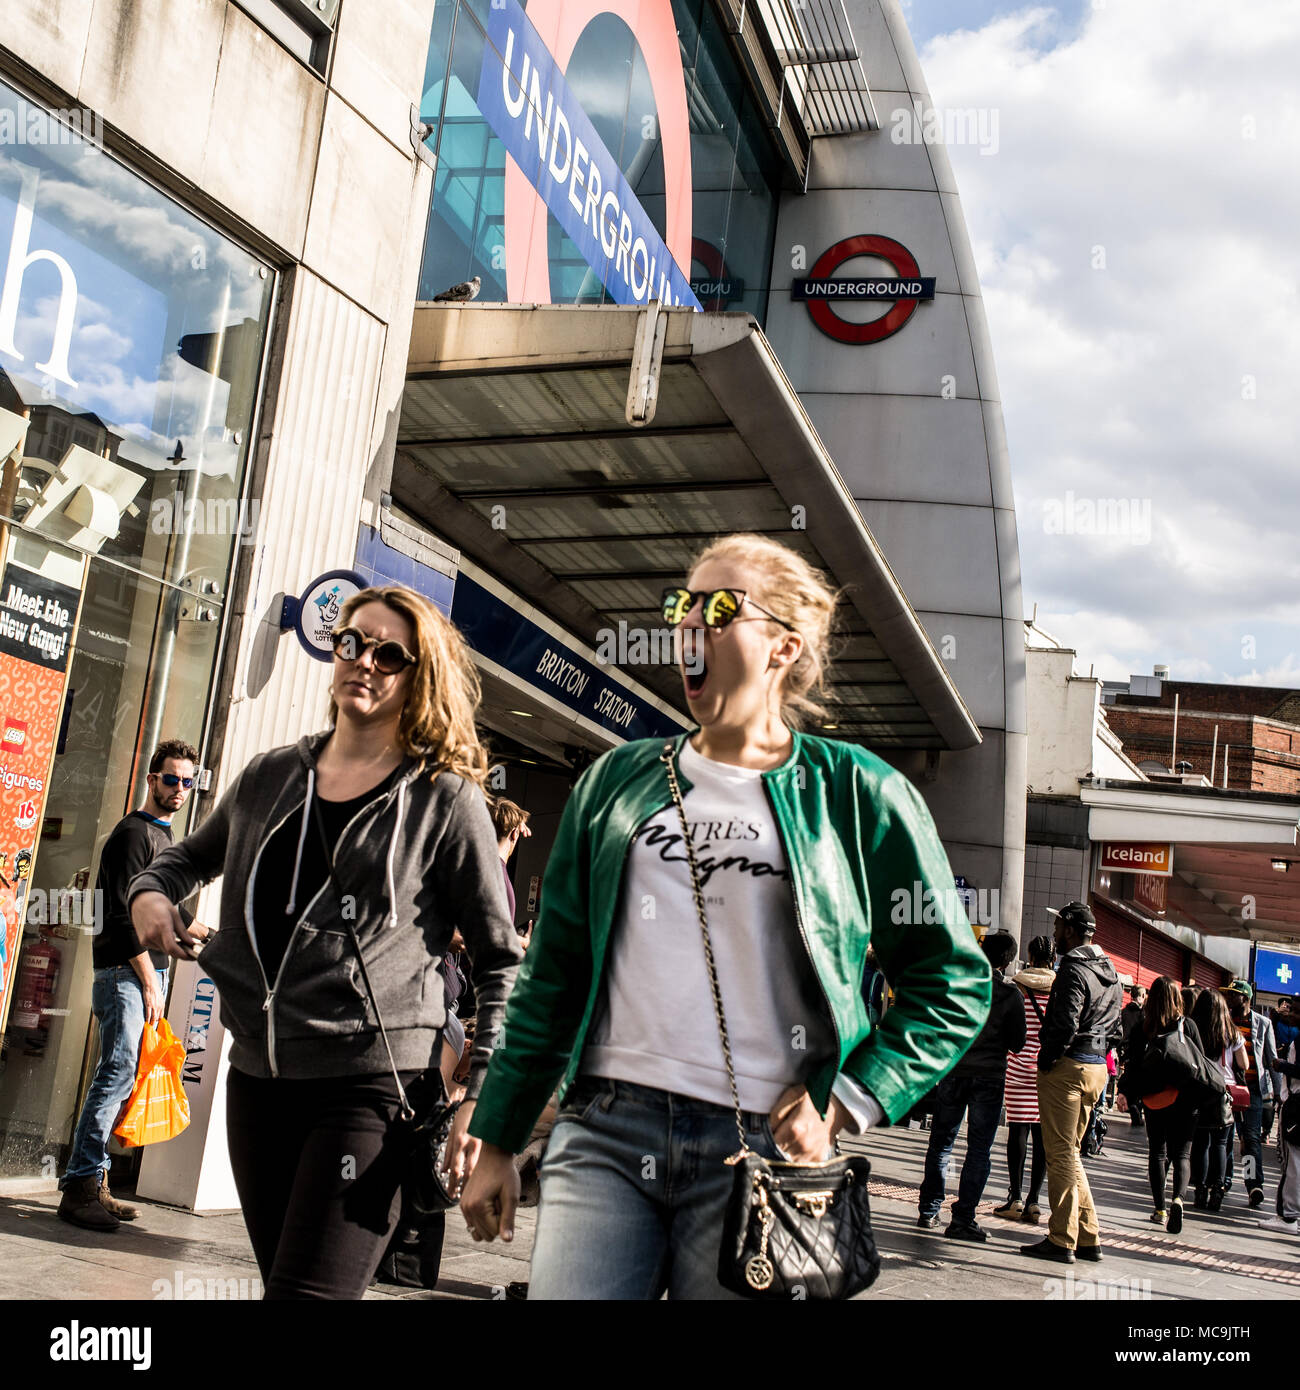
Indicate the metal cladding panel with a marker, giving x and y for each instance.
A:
(321, 427)
(543, 402)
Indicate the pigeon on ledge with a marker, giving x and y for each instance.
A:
(460, 294)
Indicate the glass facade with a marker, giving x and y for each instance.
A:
(131, 345)
(735, 172)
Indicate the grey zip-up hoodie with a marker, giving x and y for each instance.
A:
(413, 864)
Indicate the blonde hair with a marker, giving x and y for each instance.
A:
(790, 587)
(437, 723)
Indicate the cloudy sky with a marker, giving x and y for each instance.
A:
(1137, 233)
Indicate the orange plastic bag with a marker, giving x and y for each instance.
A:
(158, 1108)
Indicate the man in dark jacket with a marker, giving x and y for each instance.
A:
(1080, 1025)
(128, 989)
(975, 1083)
(1130, 1019)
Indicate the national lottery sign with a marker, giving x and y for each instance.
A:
(524, 97)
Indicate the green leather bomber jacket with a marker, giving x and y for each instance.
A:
(866, 867)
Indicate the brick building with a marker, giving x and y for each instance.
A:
(1248, 734)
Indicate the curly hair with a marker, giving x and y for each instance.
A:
(437, 722)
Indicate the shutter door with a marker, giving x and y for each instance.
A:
(1160, 956)
(1209, 975)
(1118, 937)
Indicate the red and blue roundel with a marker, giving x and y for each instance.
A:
(907, 287)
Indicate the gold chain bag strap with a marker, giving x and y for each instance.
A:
(791, 1230)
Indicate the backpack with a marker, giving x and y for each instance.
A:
(1290, 1122)
(1171, 1060)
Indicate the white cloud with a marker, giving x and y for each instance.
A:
(1167, 134)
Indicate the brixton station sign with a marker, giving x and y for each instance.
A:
(822, 289)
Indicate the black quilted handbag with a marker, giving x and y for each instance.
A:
(792, 1230)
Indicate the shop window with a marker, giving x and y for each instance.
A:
(133, 351)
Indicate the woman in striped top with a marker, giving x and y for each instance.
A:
(1035, 984)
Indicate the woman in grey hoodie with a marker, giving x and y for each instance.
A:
(347, 862)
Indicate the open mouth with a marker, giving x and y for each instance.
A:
(695, 676)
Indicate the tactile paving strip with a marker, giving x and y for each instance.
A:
(1168, 1248)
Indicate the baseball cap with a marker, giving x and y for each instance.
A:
(1077, 915)
(1239, 987)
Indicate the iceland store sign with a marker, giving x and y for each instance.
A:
(524, 97)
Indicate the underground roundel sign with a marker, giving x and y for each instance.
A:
(905, 288)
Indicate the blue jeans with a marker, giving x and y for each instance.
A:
(117, 998)
(1249, 1124)
(1211, 1145)
(634, 1190)
(954, 1095)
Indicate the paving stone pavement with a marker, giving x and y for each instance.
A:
(170, 1253)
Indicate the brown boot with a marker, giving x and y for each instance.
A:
(81, 1206)
(119, 1209)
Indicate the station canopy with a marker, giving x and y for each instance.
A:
(515, 446)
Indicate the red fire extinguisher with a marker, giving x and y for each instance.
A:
(38, 979)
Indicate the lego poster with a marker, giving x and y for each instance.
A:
(37, 622)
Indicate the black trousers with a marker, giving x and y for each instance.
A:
(1169, 1148)
(318, 1166)
(1018, 1136)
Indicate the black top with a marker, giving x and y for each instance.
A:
(1003, 1032)
(129, 849)
(273, 923)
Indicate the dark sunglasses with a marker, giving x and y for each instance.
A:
(389, 657)
(170, 779)
(719, 607)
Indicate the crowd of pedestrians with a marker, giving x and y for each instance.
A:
(719, 960)
(1199, 1067)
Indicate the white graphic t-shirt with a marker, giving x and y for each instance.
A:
(656, 1025)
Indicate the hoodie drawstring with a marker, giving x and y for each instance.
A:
(302, 840)
(392, 850)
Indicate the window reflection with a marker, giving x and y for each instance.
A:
(130, 330)
(131, 343)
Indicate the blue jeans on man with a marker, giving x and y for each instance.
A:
(117, 998)
(981, 1096)
(1250, 1125)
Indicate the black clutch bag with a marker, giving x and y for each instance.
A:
(426, 1185)
(792, 1230)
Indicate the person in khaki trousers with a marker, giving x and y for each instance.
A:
(1080, 1024)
